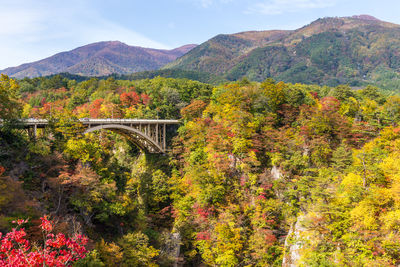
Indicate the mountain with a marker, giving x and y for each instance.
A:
(99, 59)
(354, 50)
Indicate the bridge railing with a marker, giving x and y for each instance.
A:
(128, 121)
(32, 121)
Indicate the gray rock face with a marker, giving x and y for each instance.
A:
(172, 248)
(293, 244)
(276, 173)
(176, 248)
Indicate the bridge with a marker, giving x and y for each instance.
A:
(148, 135)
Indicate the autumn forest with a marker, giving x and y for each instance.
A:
(258, 174)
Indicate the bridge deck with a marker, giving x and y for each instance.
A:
(40, 123)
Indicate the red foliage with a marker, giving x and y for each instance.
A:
(361, 133)
(203, 212)
(267, 186)
(266, 193)
(314, 95)
(230, 134)
(94, 109)
(270, 238)
(261, 196)
(203, 236)
(243, 180)
(145, 99)
(129, 98)
(58, 250)
(46, 224)
(2, 170)
(165, 213)
(330, 104)
(174, 212)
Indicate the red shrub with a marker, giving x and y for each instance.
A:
(58, 250)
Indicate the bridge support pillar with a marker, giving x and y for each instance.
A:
(164, 138)
(157, 136)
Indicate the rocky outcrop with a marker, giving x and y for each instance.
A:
(294, 243)
(276, 173)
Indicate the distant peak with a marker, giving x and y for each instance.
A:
(187, 46)
(365, 17)
(105, 43)
(114, 42)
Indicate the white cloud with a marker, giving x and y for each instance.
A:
(209, 3)
(276, 7)
(206, 3)
(34, 29)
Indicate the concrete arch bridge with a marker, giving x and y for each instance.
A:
(148, 135)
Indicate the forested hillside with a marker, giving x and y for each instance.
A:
(356, 50)
(259, 174)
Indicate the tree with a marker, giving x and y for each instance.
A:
(91, 196)
(193, 110)
(130, 98)
(94, 108)
(10, 108)
(132, 249)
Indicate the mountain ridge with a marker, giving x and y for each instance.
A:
(331, 50)
(100, 59)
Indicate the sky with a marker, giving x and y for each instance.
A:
(31, 30)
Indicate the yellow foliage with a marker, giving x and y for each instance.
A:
(380, 196)
(351, 182)
(363, 216)
(26, 110)
(110, 253)
(391, 169)
(391, 220)
(349, 108)
(224, 248)
(388, 134)
(130, 112)
(369, 107)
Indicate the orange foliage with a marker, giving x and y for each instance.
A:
(94, 108)
(194, 109)
(129, 98)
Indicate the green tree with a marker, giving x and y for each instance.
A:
(10, 107)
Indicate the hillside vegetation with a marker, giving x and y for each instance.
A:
(355, 50)
(260, 174)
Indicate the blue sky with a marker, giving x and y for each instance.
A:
(34, 29)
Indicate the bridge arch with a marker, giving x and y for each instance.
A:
(142, 140)
(147, 134)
